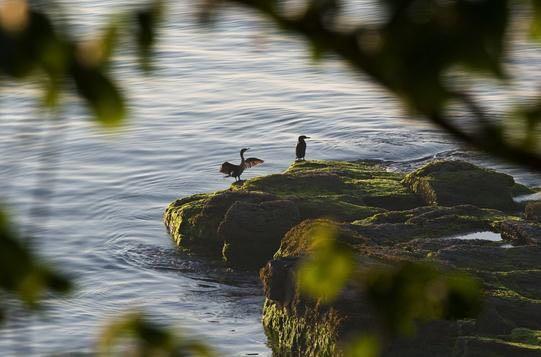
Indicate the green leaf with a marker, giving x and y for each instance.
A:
(102, 96)
(21, 273)
(326, 271)
(414, 292)
(365, 346)
(535, 26)
(146, 338)
(146, 23)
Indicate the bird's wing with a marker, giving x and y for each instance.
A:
(252, 161)
(227, 168)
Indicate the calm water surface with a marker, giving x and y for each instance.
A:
(240, 83)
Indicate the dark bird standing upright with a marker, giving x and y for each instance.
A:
(300, 150)
(232, 170)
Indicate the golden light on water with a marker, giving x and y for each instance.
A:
(14, 15)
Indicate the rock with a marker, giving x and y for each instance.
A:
(299, 240)
(489, 257)
(428, 222)
(450, 183)
(278, 277)
(193, 222)
(385, 218)
(349, 187)
(479, 346)
(521, 232)
(297, 324)
(252, 232)
(533, 211)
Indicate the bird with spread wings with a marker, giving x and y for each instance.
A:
(232, 170)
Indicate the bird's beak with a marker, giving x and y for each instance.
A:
(247, 149)
(307, 137)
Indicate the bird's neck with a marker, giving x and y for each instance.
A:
(242, 156)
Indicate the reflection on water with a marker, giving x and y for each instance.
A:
(212, 93)
(533, 197)
(488, 235)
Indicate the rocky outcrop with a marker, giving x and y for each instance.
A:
(386, 218)
(252, 232)
(193, 222)
(510, 276)
(230, 223)
(450, 183)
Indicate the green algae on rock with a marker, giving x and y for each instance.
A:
(386, 218)
(357, 183)
(193, 222)
(449, 183)
(252, 232)
(337, 190)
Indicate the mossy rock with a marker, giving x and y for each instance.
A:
(493, 347)
(252, 232)
(521, 232)
(533, 211)
(193, 222)
(309, 332)
(351, 187)
(525, 283)
(428, 222)
(490, 258)
(450, 183)
(299, 241)
(526, 336)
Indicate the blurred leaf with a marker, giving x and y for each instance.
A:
(22, 51)
(326, 271)
(535, 26)
(147, 21)
(109, 40)
(415, 291)
(365, 346)
(142, 337)
(101, 95)
(20, 272)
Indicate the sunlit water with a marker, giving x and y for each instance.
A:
(239, 83)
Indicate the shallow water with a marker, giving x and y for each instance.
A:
(487, 235)
(241, 83)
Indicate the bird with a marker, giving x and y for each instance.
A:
(300, 150)
(232, 170)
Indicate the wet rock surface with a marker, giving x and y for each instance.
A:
(521, 232)
(252, 232)
(533, 211)
(386, 218)
(449, 183)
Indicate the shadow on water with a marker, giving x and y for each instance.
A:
(178, 261)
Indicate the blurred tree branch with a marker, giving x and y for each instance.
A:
(409, 57)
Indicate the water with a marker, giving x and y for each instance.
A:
(486, 235)
(241, 83)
